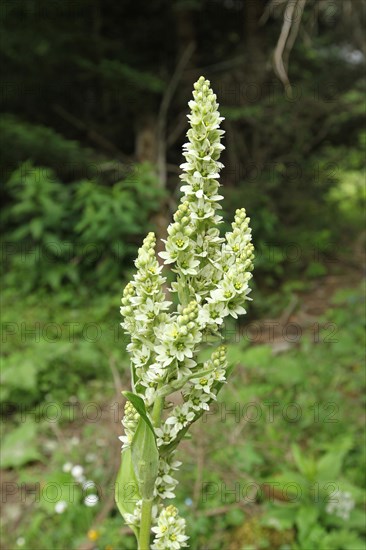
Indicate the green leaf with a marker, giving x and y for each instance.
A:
(19, 446)
(145, 459)
(294, 483)
(306, 519)
(36, 228)
(329, 466)
(126, 489)
(139, 405)
(280, 517)
(305, 465)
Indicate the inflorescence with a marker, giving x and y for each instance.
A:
(212, 275)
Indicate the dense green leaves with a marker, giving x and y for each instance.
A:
(59, 234)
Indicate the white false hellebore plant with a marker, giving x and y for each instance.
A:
(212, 276)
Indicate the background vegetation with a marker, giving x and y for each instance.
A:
(94, 102)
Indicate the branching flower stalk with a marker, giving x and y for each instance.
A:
(211, 282)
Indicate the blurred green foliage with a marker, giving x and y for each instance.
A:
(83, 128)
(80, 233)
(289, 420)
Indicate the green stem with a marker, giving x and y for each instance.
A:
(157, 410)
(145, 527)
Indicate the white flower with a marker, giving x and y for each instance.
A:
(224, 292)
(169, 532)
(188, 264)
(141, 355)
(150, 396)
(212, 314)
(199, 401)
(165, 483)
(67, 467)
(126, 440)
(179, 338)
(164, 487)
(77, 472)
(164, 435)
(135, 518)
(88, 484)
(235, 309)
(204, 384)
(60, 506)
(91, 500)
(180, 418)
(20, 541)
(91, 457)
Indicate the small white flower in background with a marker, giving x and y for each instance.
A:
(50, 445)
(75, 440)
(340, 504)
(20, 541)
(67, 467)
(88, 484)
(60, 506)
(91, 500)
(77, 472)
(91, 457)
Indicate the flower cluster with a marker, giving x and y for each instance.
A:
(90, 499)
(179, 418)
(237, 259)
(165, 483)
(178, 246)
(203, 386)
(144, 308)
(129, 422)
(211, 281)
(197, 393)
(341, 504)
(197, 220)
(178, 341)
(169, 532)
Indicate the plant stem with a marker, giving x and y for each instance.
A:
(145, 527)
(157, 410)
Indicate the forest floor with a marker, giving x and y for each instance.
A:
(269, 346)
